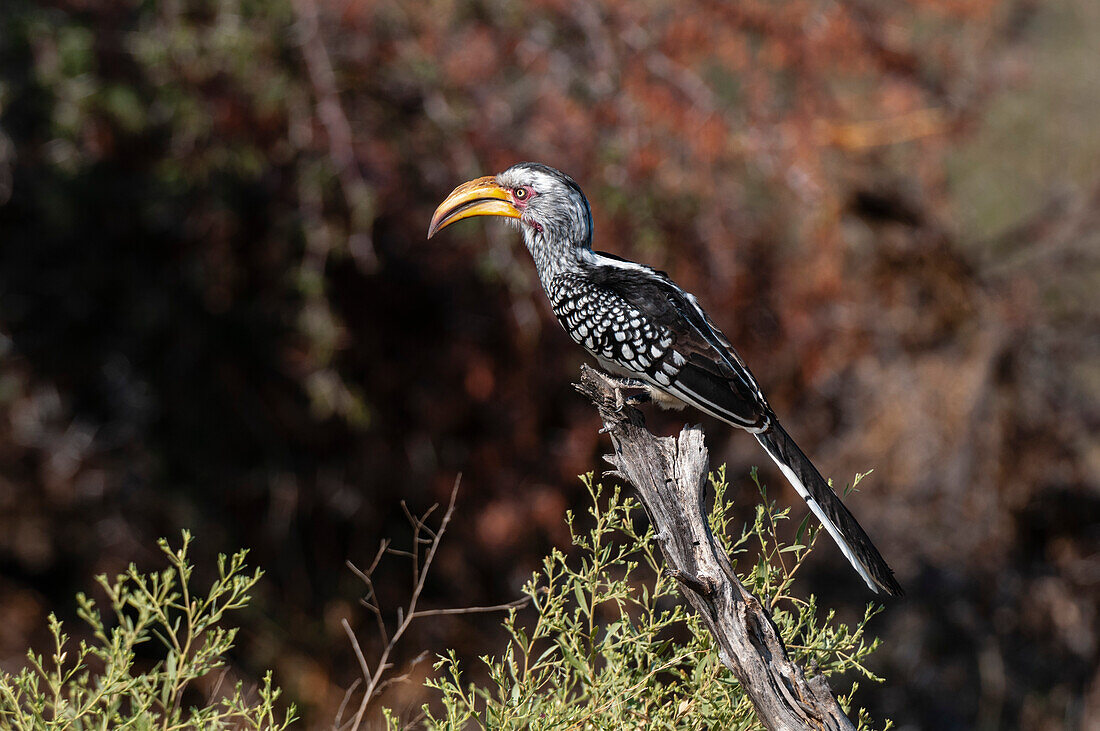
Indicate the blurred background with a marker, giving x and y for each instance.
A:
(219, 312)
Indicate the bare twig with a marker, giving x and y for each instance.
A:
(372, 678)
(344, 702)
(403, 676)
(370, 601)
(517, 604)
(358, 650)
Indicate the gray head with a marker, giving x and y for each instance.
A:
(550, 202)
(546, 204)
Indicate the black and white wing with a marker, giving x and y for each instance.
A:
(693, 361)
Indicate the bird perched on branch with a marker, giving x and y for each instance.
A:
(640, 325)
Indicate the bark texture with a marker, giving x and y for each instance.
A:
(670, 475)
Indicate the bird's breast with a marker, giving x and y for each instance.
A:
(621, 337)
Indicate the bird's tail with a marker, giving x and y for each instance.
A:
(825, 504)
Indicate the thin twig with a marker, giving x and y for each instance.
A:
(403, 676)
(517, 604)
(405, 616)
(344, 703)
(358, 650)
(370, 600)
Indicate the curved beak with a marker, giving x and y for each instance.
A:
(481, 197)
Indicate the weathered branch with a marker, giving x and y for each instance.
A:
(670, 475)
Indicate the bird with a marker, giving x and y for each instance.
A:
(644, 329)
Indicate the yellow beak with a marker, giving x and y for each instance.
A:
(481, 197)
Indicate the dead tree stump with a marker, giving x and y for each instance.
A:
(670, 475)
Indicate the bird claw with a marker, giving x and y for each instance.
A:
(636, 399)
(625, 382)
(622, 402)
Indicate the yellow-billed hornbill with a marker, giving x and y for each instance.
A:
(639, 324)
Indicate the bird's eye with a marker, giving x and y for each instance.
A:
(520, 193)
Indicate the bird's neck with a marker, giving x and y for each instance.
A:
(553, 255)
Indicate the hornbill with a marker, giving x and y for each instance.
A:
(639, 324)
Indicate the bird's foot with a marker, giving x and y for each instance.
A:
(634, 384)
(619, 382)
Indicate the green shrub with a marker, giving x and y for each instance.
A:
(613, 646)
(100, 684)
